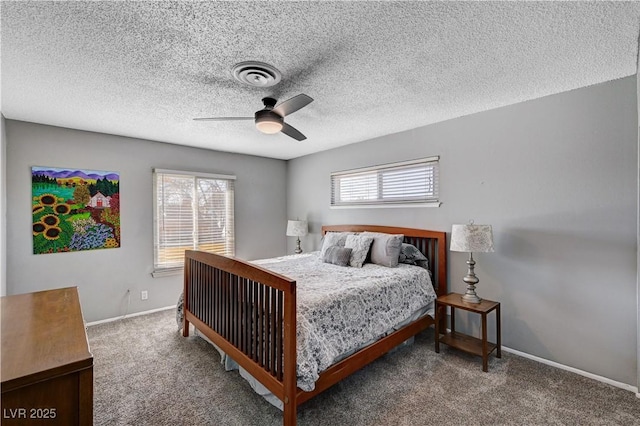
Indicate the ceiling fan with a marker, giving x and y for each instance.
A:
(270, 119)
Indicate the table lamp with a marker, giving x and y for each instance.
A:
(471, 238)
(297, 228)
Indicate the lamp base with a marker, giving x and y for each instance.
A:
(471, 297)
(298, 249)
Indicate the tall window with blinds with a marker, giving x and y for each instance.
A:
(409, 183)
(193, 211)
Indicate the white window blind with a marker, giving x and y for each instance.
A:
(193, 211)
(397, 184)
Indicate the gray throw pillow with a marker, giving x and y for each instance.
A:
(385, 249)
(410, 255)
(337, 255)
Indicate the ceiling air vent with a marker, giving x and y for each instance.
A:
(256, 74)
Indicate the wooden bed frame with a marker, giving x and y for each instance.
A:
(250, 313)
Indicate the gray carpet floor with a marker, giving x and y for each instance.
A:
(146, 373)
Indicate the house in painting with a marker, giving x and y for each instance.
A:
(99, 201)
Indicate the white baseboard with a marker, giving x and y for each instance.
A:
(574, 370)
(89, 324)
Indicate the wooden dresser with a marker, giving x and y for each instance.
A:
(47, 368)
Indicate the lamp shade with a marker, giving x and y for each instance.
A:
(297, 228)
(472, 238)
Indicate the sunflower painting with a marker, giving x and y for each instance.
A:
(74, 210)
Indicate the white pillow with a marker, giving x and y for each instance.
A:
(359, 245)
(385, 249)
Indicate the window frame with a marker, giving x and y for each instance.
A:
(161, 269)
(431, 198)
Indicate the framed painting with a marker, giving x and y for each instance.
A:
(74, 210)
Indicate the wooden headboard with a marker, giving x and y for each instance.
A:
(432, 244)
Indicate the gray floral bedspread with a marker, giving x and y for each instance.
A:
(340, 309)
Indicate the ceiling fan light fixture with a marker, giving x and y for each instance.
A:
(269, 127)
(269, 122)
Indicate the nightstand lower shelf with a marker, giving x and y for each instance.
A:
(466, 343)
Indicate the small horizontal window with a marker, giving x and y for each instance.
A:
(409, 183)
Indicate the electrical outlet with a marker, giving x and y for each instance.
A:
(144, 295)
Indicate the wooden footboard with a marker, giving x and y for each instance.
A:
(250, 313)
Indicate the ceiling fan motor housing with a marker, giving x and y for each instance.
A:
(268, 121)
(268, 102)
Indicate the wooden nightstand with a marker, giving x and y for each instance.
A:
(481, 347)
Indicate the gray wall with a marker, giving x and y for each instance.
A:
(557, 179)
(103, 276)
(3, 208)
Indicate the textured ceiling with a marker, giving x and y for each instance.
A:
(145, 69)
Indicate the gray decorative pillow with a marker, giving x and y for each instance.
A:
(331, 239)
(360, 248)
(337, 255)
(385, 249)
(410, 255)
